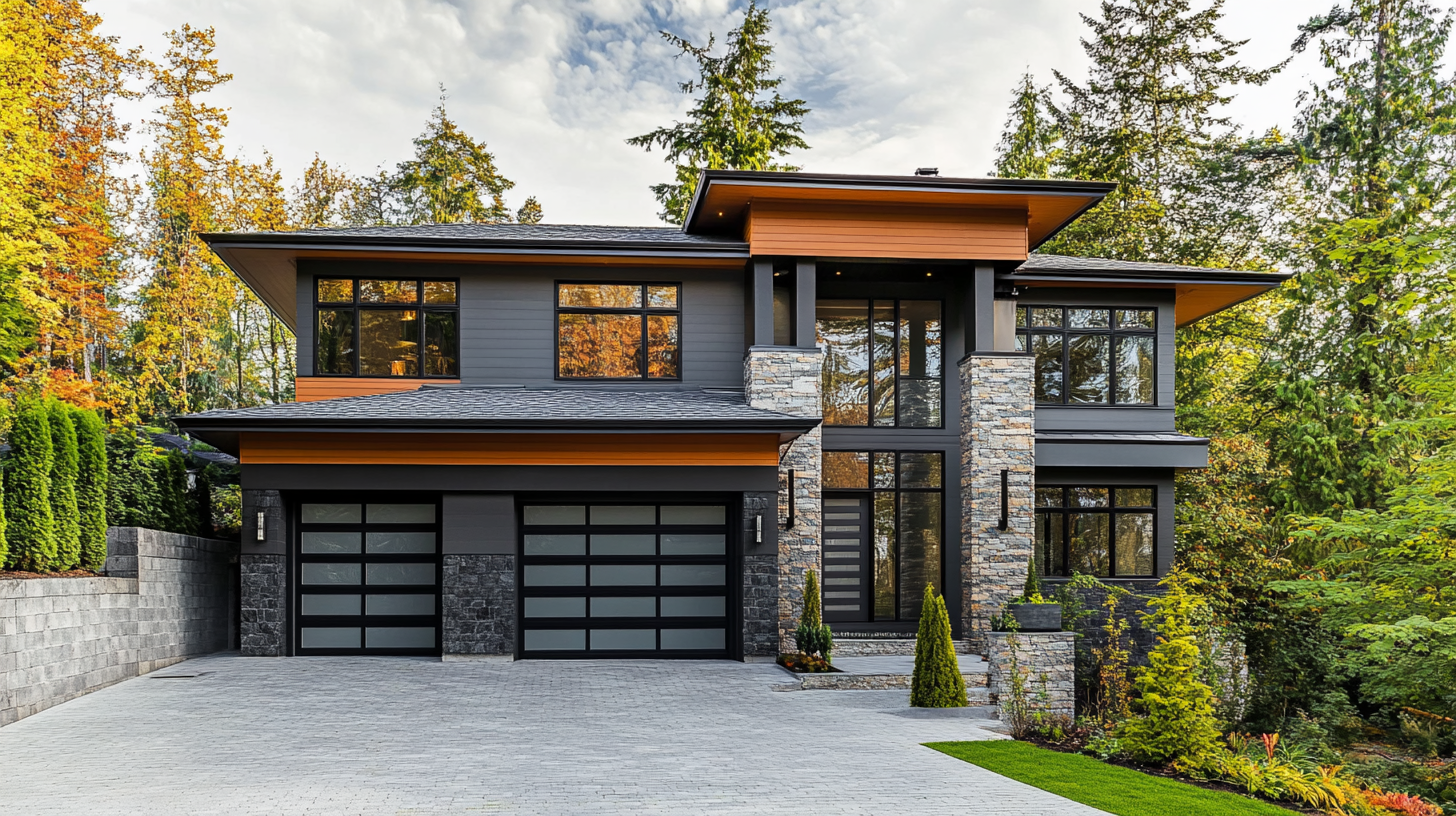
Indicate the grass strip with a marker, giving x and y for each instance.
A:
(1120, 791)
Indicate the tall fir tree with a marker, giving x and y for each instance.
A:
(64, 466)
(1029, 146)
(30, 525)
(451, 179)
(741, 121)
(1377, 143)
(91, 486)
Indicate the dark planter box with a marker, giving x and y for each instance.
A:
(1045, 617)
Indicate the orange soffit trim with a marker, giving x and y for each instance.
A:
(313, 389)
(305, 448)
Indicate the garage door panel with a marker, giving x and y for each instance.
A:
(368, 578)
(624, 580)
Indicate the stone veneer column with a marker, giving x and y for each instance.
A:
(263, 568)
(478, 606)
(787, 380)
(760, 579)
(997, 410)
(1047, 664)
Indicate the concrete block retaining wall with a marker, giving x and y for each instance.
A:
(165, 598)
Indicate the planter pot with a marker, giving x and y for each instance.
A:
(1045, 617)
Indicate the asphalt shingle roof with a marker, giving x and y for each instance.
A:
(510, 407)
(1040, 262)
(1154, 437)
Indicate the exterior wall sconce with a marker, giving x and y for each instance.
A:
(1005, 503)
(262, 526)
(789, 521)
(758, 529)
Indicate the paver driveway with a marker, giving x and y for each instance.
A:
(396, 735)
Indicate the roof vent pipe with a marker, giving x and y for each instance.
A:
(927, 171)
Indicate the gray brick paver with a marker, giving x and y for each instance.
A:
(394, 735)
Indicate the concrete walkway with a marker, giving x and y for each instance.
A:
(402, 736)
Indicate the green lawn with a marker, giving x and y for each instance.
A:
(1116, 790)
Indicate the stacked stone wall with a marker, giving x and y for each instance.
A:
(997, 433)
(263, 610)
(760, 580)
(169, 599)
(478, 604)
(1046, 662)
(787, 380)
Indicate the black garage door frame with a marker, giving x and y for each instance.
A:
(732, 590)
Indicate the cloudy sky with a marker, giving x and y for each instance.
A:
(555, 86)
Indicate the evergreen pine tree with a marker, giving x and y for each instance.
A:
(91, 487)
(740, 122)
(30, 527)
(1028, 147)
(64, 466)
(452, 178)
(937, 681)
(812, 637)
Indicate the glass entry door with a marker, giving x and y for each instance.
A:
(367, 578)
(847, 570)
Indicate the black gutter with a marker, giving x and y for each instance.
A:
(1272, 279)
(1103, 440)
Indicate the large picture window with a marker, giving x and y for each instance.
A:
(618, 331)
(377, 327)
(902, 492)
(1091, 356)
(1107, 532)
(882, 362)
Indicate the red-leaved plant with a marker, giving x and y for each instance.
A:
(1403, 803)
(1271, 741)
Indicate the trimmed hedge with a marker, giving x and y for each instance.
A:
(64, 465)
(91, 486)
(30, 528)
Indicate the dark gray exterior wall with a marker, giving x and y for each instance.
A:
(1160, 478)
(478, 524)
(508, 324)
(1113, 418)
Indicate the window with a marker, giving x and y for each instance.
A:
(375, 327)
(1107, 532)
(904, 494)
(1091, 356)
(882, 362)
(618, 331)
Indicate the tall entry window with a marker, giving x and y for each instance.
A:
(1091, 356)
(618, 331)
(375, 327)
(1107, 532)
(883, 523)
(882, 362)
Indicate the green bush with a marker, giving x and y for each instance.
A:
(1031, 593)
(937, 682)
(812, 637)
(1178, 723)
(64, 466)
(30, 528)
(91, 486)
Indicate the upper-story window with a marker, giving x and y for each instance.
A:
(386, 327)
(1091, 356)
(1107, 532)
(882, 362)
(618, 331)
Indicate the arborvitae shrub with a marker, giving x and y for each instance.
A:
(812, 637)
(180, 510)
(1032, 590)
(937, 682)
(64, 465)
(135, 487)
(30, 528)
(91, 487)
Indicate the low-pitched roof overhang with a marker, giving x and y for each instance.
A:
(1200, 291)
(477, 410)
(1159, 449)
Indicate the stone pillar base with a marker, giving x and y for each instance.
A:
(478, 606)
(1046, 662)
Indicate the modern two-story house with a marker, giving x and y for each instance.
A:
(566, 441)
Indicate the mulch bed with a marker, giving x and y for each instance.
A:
(75, 573)
(804, 664)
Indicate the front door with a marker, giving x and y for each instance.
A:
(367, 577)
(847, 572)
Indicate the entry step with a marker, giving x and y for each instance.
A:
(884, 672)
(866, 647)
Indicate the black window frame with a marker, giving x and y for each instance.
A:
(1112, 332)
(644, 311)
(419, 305)
(870, 490)
(870, 355)
(1112, 509)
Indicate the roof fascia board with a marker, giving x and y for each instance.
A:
(1214, 277)
(892, 188)
(603, 249)
(509, 426)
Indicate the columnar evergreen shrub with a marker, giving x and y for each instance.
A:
(1032, 591)
(1178, 723)
(30, 526)
(937, 682)
(91, 487)
(64, 465)
(812, 637)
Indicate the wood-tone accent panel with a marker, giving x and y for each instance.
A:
(273, 448)
(848, 231)
(313, 389)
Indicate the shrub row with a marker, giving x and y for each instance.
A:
(53, 516)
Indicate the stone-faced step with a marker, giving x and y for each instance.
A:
(866, 647)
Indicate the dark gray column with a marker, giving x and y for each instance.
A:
(761, 312)
(804, 296)
(263, 567)
(478, 584)
(760, 576)
(980, 310)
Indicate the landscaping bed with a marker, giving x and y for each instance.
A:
(23, 575)
(800, 663)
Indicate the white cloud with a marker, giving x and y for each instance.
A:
(555, 86)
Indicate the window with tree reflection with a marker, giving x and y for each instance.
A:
(1107, 532)
(882, 362)
(618, 331)
(1091, 355)
(386, 327)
